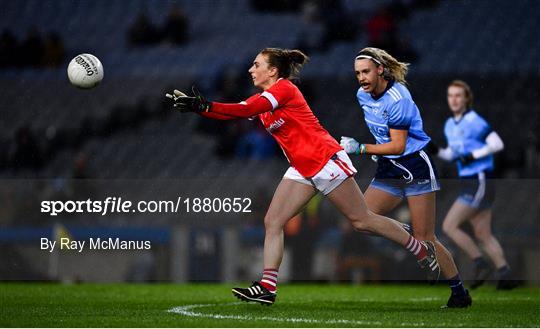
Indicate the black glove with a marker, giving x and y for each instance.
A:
(432, 148)
(185, 103)
(465, 159)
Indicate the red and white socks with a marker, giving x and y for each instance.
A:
(269, 279)
(416, 248)
(270, 275)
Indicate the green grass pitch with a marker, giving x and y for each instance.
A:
(212, 305)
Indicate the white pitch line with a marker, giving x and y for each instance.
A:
(424, 299)
(513, 299)
(188, 311)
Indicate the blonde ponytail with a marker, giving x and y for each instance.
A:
(393, 69)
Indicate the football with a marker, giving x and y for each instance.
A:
(85, 71)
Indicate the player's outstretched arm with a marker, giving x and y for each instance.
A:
(242, 110)
(184, 103)
(215, 110)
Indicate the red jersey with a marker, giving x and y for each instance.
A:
(287, 117)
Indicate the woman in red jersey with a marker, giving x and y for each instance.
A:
(318, 164)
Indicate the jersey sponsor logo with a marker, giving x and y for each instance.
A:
(275, 125)
(423, 181)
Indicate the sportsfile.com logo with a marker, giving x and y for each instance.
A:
(118, 205)
(108, 206)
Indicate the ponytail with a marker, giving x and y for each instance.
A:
(393, 69)
(288, 62)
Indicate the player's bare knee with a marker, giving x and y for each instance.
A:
(448, 229)
(273, 224)
(360, 222)
(482, 235)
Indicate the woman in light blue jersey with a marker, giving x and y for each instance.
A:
(404, 169)
(472, 143)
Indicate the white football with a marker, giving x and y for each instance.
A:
(85, 71)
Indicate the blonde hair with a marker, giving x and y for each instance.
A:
(393, 69)
(466, 88)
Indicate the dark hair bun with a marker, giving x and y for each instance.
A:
(288, 62)
(297, 57)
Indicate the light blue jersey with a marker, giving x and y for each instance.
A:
(394, 109)
(466, 135)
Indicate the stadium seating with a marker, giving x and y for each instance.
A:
(480, 37)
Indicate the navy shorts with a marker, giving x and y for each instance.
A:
(477, 191)
(412, 174)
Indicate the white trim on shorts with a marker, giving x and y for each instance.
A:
(434, 184)
(479, 195)
(334, 172)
